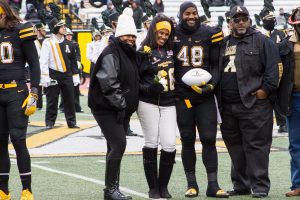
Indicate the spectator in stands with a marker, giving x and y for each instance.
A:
(137, 14)
(159, 6)
(38, 4)
(174, 21)
(142, 35)
(113, 21)
(108, 11)
(127, 3)
(233, 3)
(281, 19)
(216, 2)
(50, 11)
(32, 14)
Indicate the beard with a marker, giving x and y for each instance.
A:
(188, 28)
(239, 33)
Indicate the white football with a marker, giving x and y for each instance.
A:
(196, 76)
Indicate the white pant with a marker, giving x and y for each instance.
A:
(159, 125)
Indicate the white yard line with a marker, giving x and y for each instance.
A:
(100, 161)
(80, 177)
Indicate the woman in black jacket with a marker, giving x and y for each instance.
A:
(156, 108)
(113, 97)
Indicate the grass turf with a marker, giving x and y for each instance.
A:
(52, 186)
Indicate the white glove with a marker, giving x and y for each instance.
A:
(76, 79)
(45, 81)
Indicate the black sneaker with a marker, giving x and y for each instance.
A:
(259, 194)
(234, 192)
(282, 129)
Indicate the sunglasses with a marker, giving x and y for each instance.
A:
(239, 19)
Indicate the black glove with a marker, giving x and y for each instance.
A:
(156, 89)
(120, 116)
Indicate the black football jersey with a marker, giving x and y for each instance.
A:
(194, 51)
(12, 59)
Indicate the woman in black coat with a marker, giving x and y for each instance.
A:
(113, 97)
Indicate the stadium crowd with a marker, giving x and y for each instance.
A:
(191, 75)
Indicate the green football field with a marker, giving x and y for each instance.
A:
(82, 178)
(78, 178)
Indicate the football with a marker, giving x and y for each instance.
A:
(196, 76)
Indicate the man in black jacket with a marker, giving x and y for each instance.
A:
(249, 78)
(197, 46)
(289, 96)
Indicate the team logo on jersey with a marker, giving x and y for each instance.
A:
(68, 49)
(170, 53)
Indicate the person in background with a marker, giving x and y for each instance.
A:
(92, 50)
(59, 74)
(156, 110)
(142, 35)
(41, 35)
(159, 6)
(269, 23)
(106, 32)
(113, 21)
(113, 97)
(69, 37)
(17, 102)
(281, 19)
(174, 21)
(289, 97)
(137, 14)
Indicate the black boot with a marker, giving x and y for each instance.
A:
(167, 160)
(112, 192)
(150, 168)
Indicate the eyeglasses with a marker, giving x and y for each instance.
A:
(239, 19)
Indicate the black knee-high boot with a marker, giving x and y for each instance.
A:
(112, 192)
(167, 160)
(150, 168)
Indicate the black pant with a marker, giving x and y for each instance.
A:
(280, 118)
(39, 103)
(13, 123)
(202, 115)
(114, 133)
(247, 134)
(76, 100)
(66, 88)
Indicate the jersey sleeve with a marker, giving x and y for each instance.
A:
(216, 35)
(26, 31)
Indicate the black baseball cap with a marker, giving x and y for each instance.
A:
(238, 10)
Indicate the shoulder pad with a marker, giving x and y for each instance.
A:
(26, 31)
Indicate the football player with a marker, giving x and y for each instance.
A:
(197, 46)
(16, 102)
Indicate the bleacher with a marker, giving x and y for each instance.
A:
(254, 7)
(83, 18)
